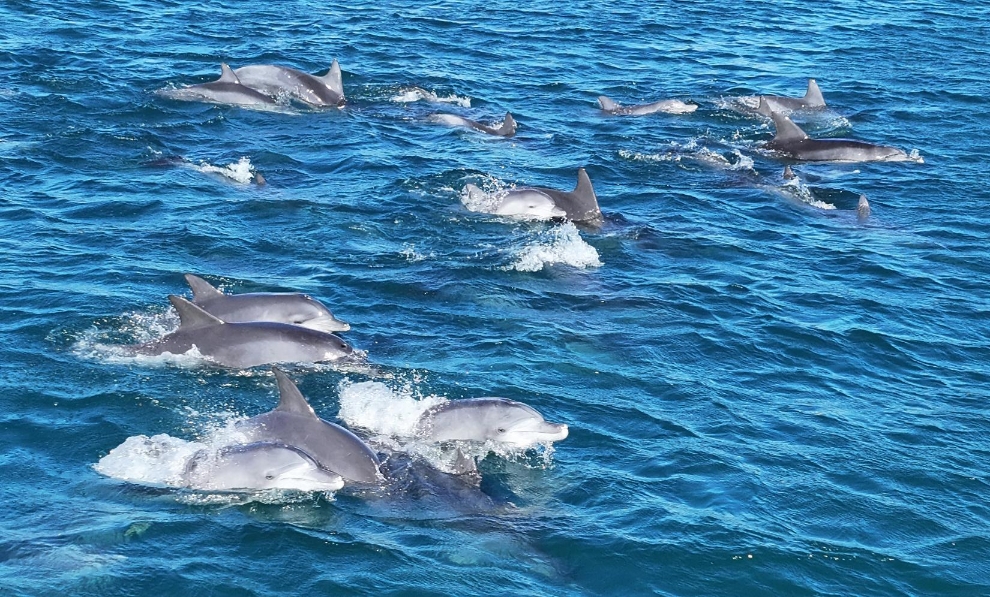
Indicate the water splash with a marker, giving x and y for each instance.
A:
(559, 245)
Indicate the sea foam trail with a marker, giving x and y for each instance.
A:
(559, 245)
(415, 94)
(241, 171)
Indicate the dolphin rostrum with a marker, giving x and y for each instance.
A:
(579, 205)
(794, 143)
(507, 129)
(488, 419)
(255, 466)
(670, 106)
(284, 307)
(242, 345)
(776, 103)
(225, 90)
(293, 422)
(326, 90)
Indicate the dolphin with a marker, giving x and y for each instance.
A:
(863, 208)
(776, 103)
(225, 90)
(242, 345)
(670, 106)
(258, 465)
(507, 129)
(327, 90)
(293, 422)
(488, 419)
(579, 205)
(794, 143)
(284, 307)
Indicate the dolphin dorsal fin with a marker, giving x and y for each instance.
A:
(201, 289)
(227, 75)
(788, 173)
(508, 127)
(290, 399)
(607, 104)
(764, 107)
(814, 97)
(333, 79)
(584, 190)
(191, 316)
(787, 130)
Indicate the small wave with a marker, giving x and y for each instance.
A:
(692, 151)
(415, 94)
(241, 171)
(410, 253)
(560, 245)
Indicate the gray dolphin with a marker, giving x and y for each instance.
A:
(293, 422)
(488, 419)
(670, 106)
(793, 142)
(242, 345)
(863, 208)
(225, 90)
(326, 90)
(284, 307)
(776, 103)
(507, 129)
(579, 205)
(258, 465)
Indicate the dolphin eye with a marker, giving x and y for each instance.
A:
(269, 477)
(501, 429)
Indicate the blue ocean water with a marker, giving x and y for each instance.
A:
(764, 393)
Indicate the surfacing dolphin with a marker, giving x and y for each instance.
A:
(794, 143)
(540, 203)
(293, 422)
(813, 99)
(488, 419)
(226, 90)
(670, 106)
(320, 91)
(863, 208)
(242, 345)
(507, 129)
(284, 307)
(257, 466)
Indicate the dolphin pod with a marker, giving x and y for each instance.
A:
(259, 86)
(282, 307)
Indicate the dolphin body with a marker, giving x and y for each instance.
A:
(242, 345)
(507, 129)
(670, 106)
(294, 423)
(794, 143)
(283, 307)
(579, 205)
(257, 466)
(488, 419)
(227, 90)
(324, 91)
(812, 99)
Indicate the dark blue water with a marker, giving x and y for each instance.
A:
(765, 393)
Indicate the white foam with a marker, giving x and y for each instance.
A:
(410, 253)
(559, 245)
(415, 94)
(158, 460)
(692, 151)
(242, 171)
(381, 410)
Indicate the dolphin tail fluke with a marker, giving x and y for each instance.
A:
(290, 399)
(334, 79)
(814, 98)
(190, 315)
(227, 75)
(786, 130)
(607, 104)
(201, 289)
(508, 127)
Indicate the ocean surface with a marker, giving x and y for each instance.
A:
(766, 393)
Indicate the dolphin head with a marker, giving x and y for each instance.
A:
(490, 419)
(529, 204)
(256, 466)
(308, 312)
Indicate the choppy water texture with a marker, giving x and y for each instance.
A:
(764, 394)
